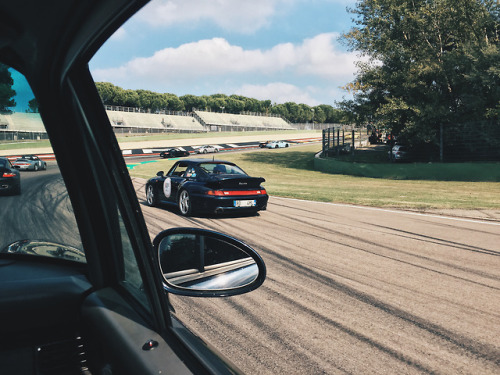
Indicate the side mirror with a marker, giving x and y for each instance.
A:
(160, 174)
(203, 263)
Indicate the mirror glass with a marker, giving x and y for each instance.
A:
(203, 262)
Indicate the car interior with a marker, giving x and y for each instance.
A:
(109, 314)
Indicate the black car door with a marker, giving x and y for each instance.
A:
(174, 178)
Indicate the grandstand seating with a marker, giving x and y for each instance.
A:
(154, 121)
(23, 122)
(243, 121)
(32, 122)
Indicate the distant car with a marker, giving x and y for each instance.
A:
(400, 153)
(263, 144)
(212, 186)
(174, 153)
(10, 178)
(277, 144)
(30, 163)
(206, 149)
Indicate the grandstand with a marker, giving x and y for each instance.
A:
(131, 120)
(19, 121)
(153, 121)
(232, 122)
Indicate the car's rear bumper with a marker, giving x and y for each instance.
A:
(24, 167)
(220, 205)
(9, 184)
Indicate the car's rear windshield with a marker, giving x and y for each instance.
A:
(221, 168)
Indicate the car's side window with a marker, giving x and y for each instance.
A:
(33, 197)
(190, 173)
(179, 171)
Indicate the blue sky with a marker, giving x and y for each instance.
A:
(282, 50)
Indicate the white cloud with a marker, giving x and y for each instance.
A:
(216, 57)
(278, 92)
(119, 34)
(241, 16)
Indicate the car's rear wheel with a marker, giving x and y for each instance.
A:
(276, 146)
(151, 197)
(185, 203)
(36, 167)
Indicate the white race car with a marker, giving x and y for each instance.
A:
(206, 149)
(277, 144)
(30, 163)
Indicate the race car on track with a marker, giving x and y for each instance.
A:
(174, 153)
(203, 185)
(30, 163)
(277, 144)
(207, 148)
(10, 178)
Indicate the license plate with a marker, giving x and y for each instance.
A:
(248, 203)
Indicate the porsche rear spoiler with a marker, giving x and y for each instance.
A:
(228, 182)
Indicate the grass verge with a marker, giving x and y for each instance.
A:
(290, 173)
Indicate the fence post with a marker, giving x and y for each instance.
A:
(323, 143)
(441, 142)
(353, 141)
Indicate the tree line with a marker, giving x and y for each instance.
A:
(430, 65)
(236, 104)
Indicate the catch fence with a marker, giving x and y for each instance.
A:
(343, 139)
(471, 141)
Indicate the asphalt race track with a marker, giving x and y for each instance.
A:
(43, 195)
(350, 290)
(353, 290)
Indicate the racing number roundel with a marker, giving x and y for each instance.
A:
(167, 187)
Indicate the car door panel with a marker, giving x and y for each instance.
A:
(120, 339)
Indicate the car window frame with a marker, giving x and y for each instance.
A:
(83, 107)
(126, 201)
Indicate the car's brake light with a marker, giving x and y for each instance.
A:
(215, 192)
(7, 174)
(225, 193)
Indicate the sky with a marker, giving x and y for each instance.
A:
(281, 50)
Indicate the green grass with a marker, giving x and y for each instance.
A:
(290, 173)
(10, 145)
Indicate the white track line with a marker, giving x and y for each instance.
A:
(478, 221)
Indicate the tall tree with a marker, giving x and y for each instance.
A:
(33, 106)
(431, 63)
(193, 102)
(7, 93)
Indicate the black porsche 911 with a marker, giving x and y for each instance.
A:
(174, 153)
(10, 179)
(211, 186)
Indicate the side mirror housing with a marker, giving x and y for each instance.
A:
(203, 263)
(160, 174)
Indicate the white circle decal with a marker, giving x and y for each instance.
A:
(167, 187)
